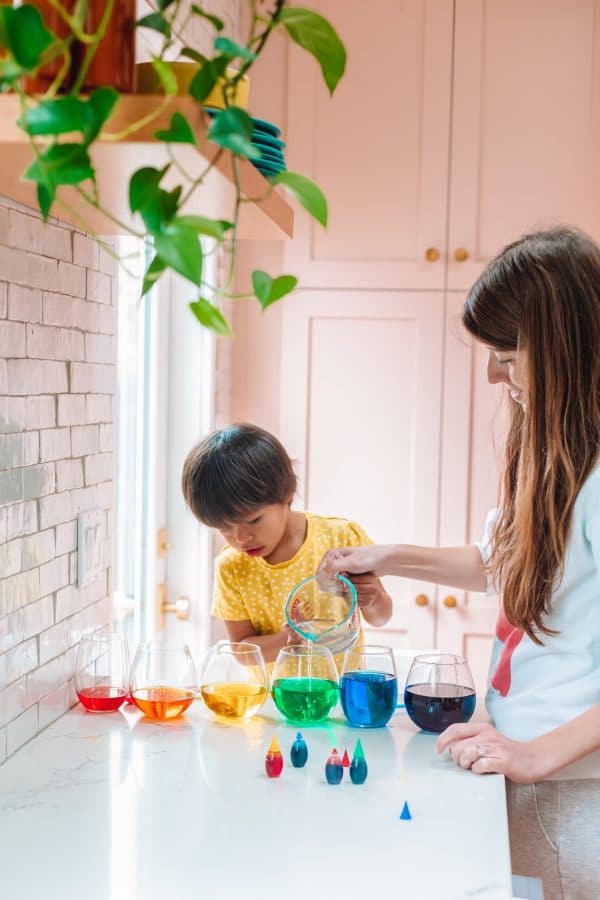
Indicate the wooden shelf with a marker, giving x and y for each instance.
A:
(115, 161)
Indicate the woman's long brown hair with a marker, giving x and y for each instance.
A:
(541, 294)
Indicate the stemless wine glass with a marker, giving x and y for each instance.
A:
(163, 680)
(369, 686)
(234, 681)
(304, 683)
(439, 691)
(101, 671)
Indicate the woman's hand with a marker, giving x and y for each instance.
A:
(481, 748)
(353, 560)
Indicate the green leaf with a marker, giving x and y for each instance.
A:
(209, 316)
(65, 114)
(314, 33)
(179, 247)
(267, 290)
(179, 131)
(57, 116)
(190, 53)
(233, 49)
(142, 182)
(214, 20)
(156, 206)
(100, 105)
(215, 228)
(306, 192)
(205, 78)
(153, 273)
(166, 76)
(232, 128)
(45, 196)
(156, 22)
(163, 4)
(26, 35)
(61, 164)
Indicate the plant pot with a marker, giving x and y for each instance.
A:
(147, 82)
(114, 60)
(45, 75)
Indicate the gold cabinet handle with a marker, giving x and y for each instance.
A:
(460, 254)
(432, 254)
(450, 601)
(421, 600)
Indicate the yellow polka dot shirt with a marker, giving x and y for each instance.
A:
(249, 588)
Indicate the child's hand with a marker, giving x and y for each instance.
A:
(291, 636)
(368, 589)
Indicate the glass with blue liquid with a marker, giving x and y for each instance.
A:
(369, 686)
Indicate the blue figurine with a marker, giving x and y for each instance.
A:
(334, 769)
(358, 766)
(299, 752)
(405, 814)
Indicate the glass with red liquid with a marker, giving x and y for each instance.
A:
(163, 680)
(101, 671)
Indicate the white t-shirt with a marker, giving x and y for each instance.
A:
(533, 689)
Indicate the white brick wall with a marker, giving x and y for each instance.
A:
(57, 377)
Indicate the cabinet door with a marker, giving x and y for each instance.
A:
(361, 402)
(378, 148)
(475, 423)
(525, 124)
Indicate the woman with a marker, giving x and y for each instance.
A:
(536, 308)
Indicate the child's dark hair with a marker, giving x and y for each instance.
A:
(234, 471)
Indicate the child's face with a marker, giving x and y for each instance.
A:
(260, 532)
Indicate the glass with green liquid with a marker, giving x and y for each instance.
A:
(304, 683)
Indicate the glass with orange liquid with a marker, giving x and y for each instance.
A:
(234, 681)
(101, 670)
(163, 680)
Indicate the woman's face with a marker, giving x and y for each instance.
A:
(509, 367)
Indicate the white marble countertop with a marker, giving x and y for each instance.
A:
(115, 807)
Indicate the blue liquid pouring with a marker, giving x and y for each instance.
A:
(368, 698)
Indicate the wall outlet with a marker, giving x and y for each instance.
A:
(89, 546)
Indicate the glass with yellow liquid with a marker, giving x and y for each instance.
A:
(234, 683)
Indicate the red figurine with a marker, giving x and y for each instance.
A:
(346, 760)
(274, 759)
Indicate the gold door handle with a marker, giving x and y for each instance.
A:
(450, 601)
(432, 254)
(421, 600)
(460, 254)
(181, 607)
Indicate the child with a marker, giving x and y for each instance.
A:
(537, 309)
(240, 480)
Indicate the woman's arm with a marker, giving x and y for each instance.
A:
(481, 748)
(460, 567)
(270, 644)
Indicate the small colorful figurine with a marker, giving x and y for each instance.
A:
(333, 768)
(358, 767)
(273, 759)
(299, 752)
(346, 760)
(405, 814)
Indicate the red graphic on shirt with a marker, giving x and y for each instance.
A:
(510, 637)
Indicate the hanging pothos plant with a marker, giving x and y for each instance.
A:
(52, 119)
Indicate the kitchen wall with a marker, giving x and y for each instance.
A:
(57, 380)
